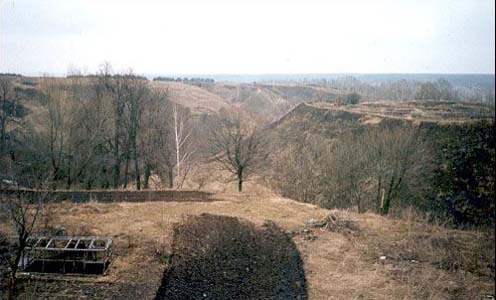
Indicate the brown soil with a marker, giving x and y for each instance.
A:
(219, 257)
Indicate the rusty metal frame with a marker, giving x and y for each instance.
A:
(85, 250)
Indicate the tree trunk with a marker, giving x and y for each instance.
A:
(126, 170)
(137, 176)
(13, 281)
(69, 178)
(387, 202)
(12, 285)
(117, 163)
(15, 266)
(240, 180)
(176, 135)
(104, 178)
(3, 137)
(171, 178)
(117, 154)
(89, 183)
(148, 172)
(378, 198)
(359, 202)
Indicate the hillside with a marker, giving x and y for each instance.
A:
(199, 100)
(341, 261)
(270, 101)
(420, 111)
(449, 150)
(275, 100)
(332, 119)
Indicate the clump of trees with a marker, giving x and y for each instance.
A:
(352, 98)
(103, 131)
(10, 112)
(463, 182)
(443, 170)
(371, 170)
(438, 90)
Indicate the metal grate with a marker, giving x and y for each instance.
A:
(64, 254)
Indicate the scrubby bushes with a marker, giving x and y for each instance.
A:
(464, 177)
(378, 169)
(352, 98)
(217, 257)
(446, 171)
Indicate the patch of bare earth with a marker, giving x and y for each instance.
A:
(358, 256)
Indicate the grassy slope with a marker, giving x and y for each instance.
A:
(422, 261)
(197, 99)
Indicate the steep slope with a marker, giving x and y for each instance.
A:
(270, 100)
(331, 119)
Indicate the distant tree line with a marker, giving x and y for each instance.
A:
(10, 75)
(185, 79)
(440, 89)
(129, 75)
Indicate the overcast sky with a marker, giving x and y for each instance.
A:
(252, 36)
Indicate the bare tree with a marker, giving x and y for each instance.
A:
(114, 88)
(238, 148)
(349, 162)
(137, 93)
(167, 153)
(9, 110)
(395, 155)
(175, 143)
(22, 209)
(151, 141)
(182, 139)
(129, 94)
(57, 112)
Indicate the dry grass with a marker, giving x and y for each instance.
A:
(419, 111)
(422, 261)
(199, 100)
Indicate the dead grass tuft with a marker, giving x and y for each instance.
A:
(335, 223)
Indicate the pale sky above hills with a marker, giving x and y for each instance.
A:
(234, 36)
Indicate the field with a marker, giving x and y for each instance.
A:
(342, 259)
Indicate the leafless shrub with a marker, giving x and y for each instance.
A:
(22, 210)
